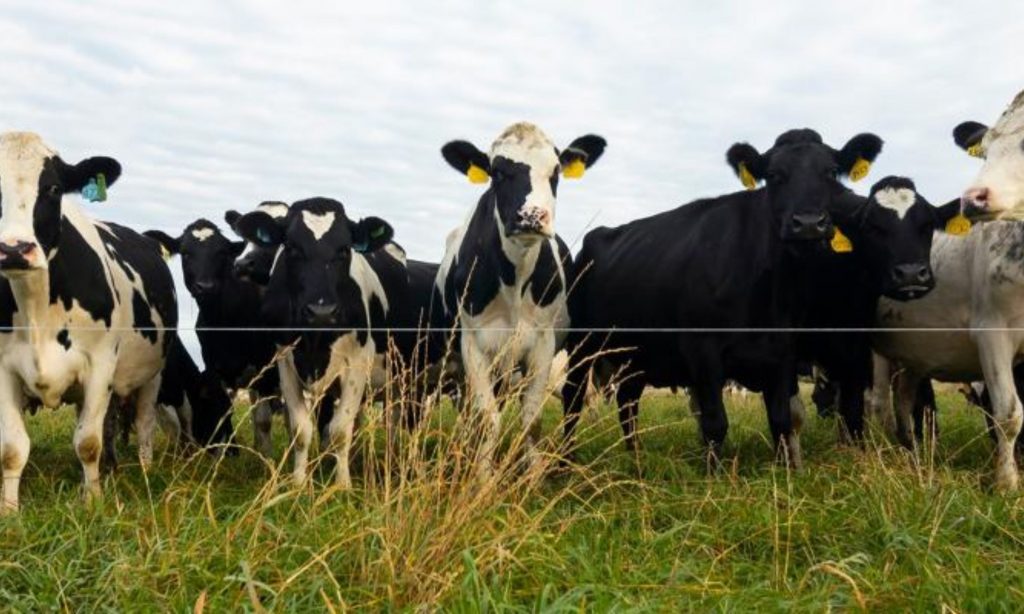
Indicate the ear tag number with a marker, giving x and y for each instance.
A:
(975, 151)
(860, 169)
(475, 174)
(746, 178)
(840, 243)
(958, 225)
(574, 170)
(96, 190)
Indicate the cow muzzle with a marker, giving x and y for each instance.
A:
(911, 281)
(19, 256)
(533, 221)
(976, 204)
(809, 226)
(320, 314)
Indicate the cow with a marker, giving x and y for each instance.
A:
(335, 288)
(979, 280)
(87, 308)
(724, 265)
(890, 236)
(229, 308)
(254, 263)
(502, 277)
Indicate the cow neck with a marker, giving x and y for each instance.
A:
(522, 256)
(793, 281)
(32, 296)
(216, 310)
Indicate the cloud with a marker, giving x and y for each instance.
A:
(212, 106)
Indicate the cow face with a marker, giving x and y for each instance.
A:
(206, 257)
(523, 167)
(317, 240)
(33, 182)
(802, 174)
(255, 261)
(998, 190)
(892, 231)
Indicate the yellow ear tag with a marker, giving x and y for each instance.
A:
(746, 178)
(860, 169)
(574, 170)
(958, 225)
(975, 152)
(841, 243)
(477, 174)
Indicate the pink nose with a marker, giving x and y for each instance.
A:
(975, 198)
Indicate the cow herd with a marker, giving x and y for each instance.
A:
(317, 312)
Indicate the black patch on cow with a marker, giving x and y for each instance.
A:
(46, 215)
(108, 239)
(64, 339)
(7, 306)
(481, 266)
(77, 275)
(142, 320)
(545, 282)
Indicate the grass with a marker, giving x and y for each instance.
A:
(860, 528)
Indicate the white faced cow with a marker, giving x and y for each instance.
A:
(503, 277)
(979, 284)
(87, 308)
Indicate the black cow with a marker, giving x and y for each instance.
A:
(502, 277)
(335, 288)
(889, 237)
(228, 308)
(87, 308)
(741, 262)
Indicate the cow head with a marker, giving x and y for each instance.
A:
(892, 232)
(317, 240)
(801, 175)
(206, 257)
(998, 190)
(255, 261)
(523, 167)
(33, 182)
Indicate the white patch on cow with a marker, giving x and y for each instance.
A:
(22, 156)
(318, 223)
(899, 200)
(369, 283)
(395, 252)
(1002, 174)
(202, 234)
(527, 144)
(274, 210)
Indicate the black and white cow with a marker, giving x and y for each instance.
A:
(87, 308)
(334, 290)
(979, 286)
(229, 307)
(740, 262)
(502, 277)
(256, 261)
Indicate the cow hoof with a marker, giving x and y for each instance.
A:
(1007, 480)
(8, 509)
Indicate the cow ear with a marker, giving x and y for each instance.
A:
(370, 234)
(950, 220)
(968, 136)
(464, 157)
(580, 155)
(259, 228)
(747, 163)
(235, 248)
(855, 158)
(91, 176)
(231, 217)
(169, 245)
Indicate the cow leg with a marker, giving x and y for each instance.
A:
(342, 426)
(262, 420)
(145, 419)
(924, 411)
(777, 396)
(851, 407)
(478, 375)
(538, 375)
(880, 396)
(88, 438)
(714, 424)
(798, 415)
(627, 397)
(905, 386)
(299, 422)
(14, 441)
(996, 352)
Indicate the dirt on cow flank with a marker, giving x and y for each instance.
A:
(872, 528)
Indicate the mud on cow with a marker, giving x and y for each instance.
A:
(979, 285)
(87, 308)
(502, 277)
(334, 290)
(740, 261)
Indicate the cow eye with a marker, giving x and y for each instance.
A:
(53, 190)
(833, 172)
(497, 175)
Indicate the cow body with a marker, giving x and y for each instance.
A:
(979, 293)
(503, 279)
(89, 306)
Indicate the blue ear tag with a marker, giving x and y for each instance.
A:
(263, 236)
(96, 190)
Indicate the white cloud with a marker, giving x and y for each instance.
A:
(212, 106)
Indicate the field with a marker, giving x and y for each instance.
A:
(860, 528)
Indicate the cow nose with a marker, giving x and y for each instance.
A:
(917, 274)
(322, 313)
(18, 248)
(205, 287)
(810, 225)
(243, 267)
(975, 200)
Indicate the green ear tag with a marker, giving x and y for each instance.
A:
(96, 190)
(377, 233)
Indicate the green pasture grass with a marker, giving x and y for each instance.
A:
(871, 527)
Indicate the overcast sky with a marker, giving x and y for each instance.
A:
(218, 105)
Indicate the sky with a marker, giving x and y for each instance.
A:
(212, 106)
